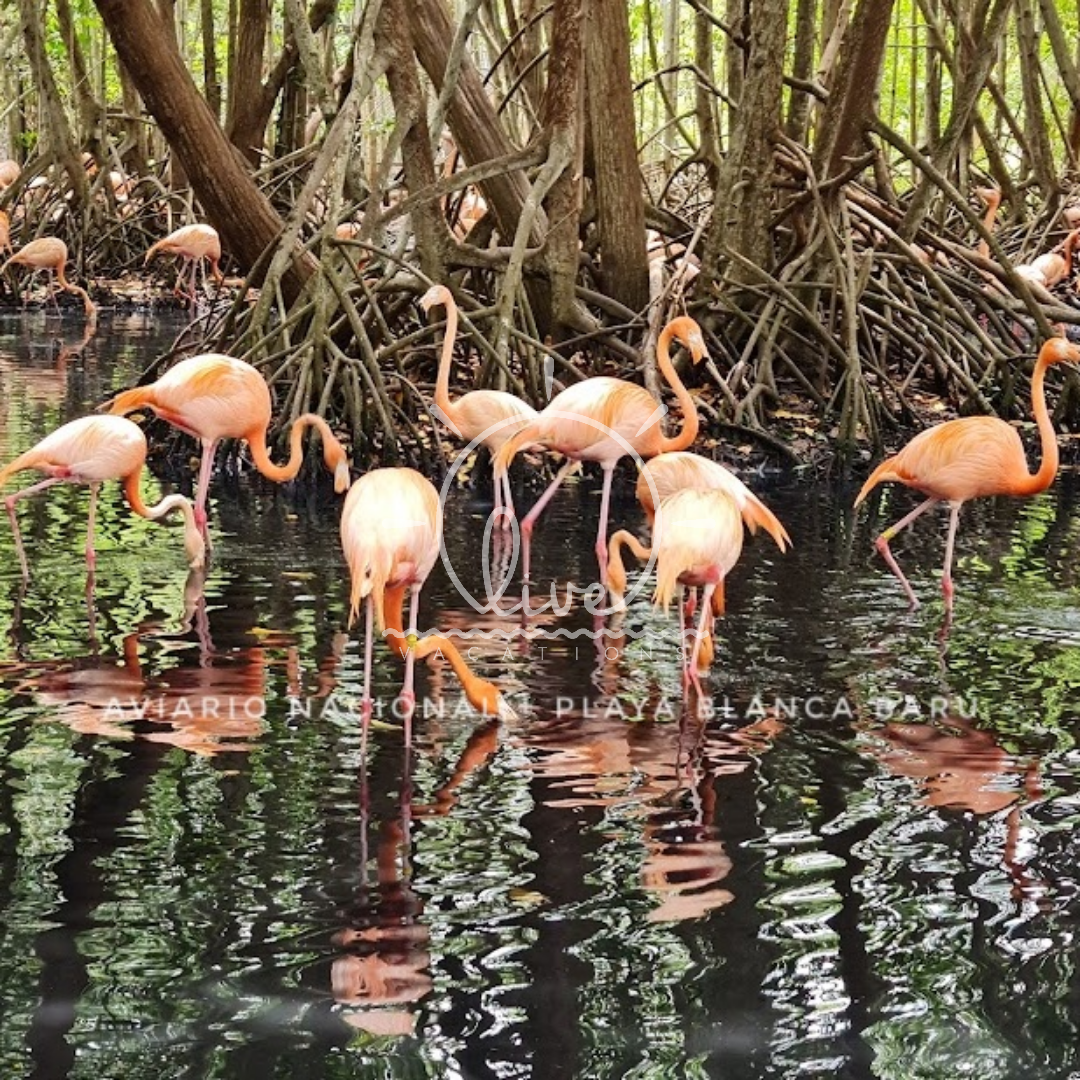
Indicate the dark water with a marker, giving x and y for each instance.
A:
(864, 863)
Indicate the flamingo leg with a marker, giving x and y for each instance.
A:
(91, 554)
(682, 637)
(10, 501)
(508, 501)
(206, 468)
(699, 637)
(408, 695)
(950, 544)
(365, 701)
(530, 518)
(882, 545)
(601, 534)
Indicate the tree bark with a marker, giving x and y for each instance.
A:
(59, 144)
(211, 81)
(620, 197)
(246, 124)
(961, 117)
(852, 95)
(90, 111)
(1038, 138)
(743, 201)
(235, 206)
(471, 116)
(394, 39)
(562, 120)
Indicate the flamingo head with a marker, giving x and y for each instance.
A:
(689, 333)
(436, 295)
(1058, 350)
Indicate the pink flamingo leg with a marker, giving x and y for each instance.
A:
(91, 554)
(206, 467)
(365, 701)
(408, 695)
(682, 639)
(530, 518)
(950, 543)
(601, 534)
(706, 615)
(882, 544)
(10, 501)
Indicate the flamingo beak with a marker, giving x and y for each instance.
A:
(341, 476)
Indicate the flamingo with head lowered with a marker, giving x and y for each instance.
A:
(971, 458)
(89, 451)
(215, 397)
(602, 419)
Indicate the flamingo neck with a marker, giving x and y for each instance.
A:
(1070, 242)
(689, 431)
(1048, 467)
(442, 382)
(280, 473)
(194, 544)
(616, 570)
(480, 693)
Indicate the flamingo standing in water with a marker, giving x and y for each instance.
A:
(697, 541)
(584, 420)
(89, 451)
(971, 458)
(192, 243)
(214, 397)
(391, 530)
(50, 253)
(493, 416)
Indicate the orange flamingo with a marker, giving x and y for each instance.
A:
(673, 472)
(89, 451)
(50, 253)
(697, 540)
(602, 419)
(214, 397)
(391, 530)
(493, 416)
(971, 458)
(192, 243)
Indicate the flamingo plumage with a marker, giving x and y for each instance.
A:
(215, 397)
(602, 419)
(193, 244)
(91, 450)
(493, 416)
(970, 458)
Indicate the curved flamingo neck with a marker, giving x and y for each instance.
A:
(280, 473)
(478, 691)
(616, 567)
(689, 431)
(1040, 480)
(193, 539)
(442, 382)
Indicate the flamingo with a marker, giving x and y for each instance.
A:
(5, 231)
(50, 253)
(1052, 268)
(391, 531)
(697, 542)
(970, 458)
(192, 243)
(672, 472)
(89, 451)
(493, 416)
(583, 421)
(214, 397)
